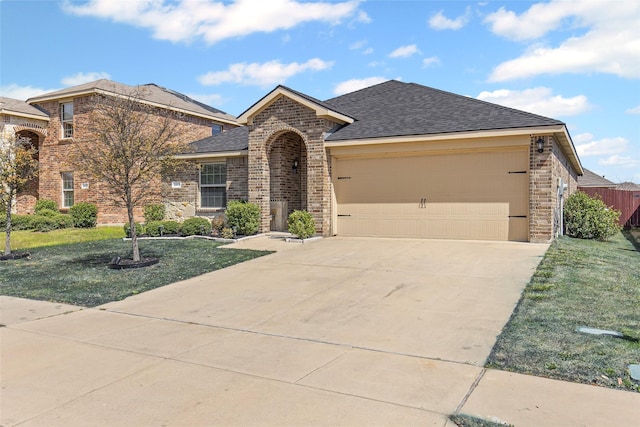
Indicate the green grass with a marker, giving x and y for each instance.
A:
(78, 274)
(462, 420)
(21, 240)
(578, 283)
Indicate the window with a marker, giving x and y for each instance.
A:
(216, 129)
(66, 117)
(67, 189)
(213, 185)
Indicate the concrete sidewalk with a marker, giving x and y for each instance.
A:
(336, 332)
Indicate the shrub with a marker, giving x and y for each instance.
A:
(154, 212)
(243, 217)
(227, 233)
(301, 224)
(153, 228)
(196, 227)
(589, 218)
(47, 212)
(43, 223)
(171, 227)
(217, 224)
(63, 220)
(85, 215)
(21, 222)
(47, 204)
(127, 229)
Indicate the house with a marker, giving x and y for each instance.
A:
(392, 160)
(592, 180)
(21, 120)
(64, 116)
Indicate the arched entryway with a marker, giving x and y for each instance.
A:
(287, 158)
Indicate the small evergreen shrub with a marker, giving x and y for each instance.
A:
(43, 223)
(589, 218)
(301, 224)
(154, 228)
(63, 220)
(47, 212)
(127, 229)
(171, 227)
(47, 204)
(217, 224)
(227, 233)
(242, 216)
(85, 215)
(21, 222)
(196, 227)
(154, 212)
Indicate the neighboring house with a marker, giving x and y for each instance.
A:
(64, 114)
(592, 180)
(21, 120)
(392, 160)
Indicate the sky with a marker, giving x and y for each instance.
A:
(575, 61)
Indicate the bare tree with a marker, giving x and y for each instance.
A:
(127, 146)
(18, 165)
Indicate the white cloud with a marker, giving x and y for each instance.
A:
(441, 22)
(22, 92)
(357, 45)
(620, 161)
(539, 100)
(265, 74)
(634, 110)
(213, 20)
(586, 146)
(610, 43)
(80, 78)
(404, 51)
(357, 84)
(432, 60)
(213, 99)
(367, 51)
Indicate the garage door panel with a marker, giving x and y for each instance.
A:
(460, 196)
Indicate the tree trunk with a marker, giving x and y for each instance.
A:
(7, 242)
(134, 235)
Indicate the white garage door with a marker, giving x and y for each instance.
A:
(479, 195)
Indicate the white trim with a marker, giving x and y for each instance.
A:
(25, 115)
(247, 117)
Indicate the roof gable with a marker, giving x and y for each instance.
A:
(149, 93)
(321, 109)
(592, 179)
(15, 107)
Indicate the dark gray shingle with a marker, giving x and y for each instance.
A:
(236, 139)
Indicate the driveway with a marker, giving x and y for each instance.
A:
(333, 332)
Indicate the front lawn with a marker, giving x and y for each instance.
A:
(578, 283)
(26, 239)
(78, 274)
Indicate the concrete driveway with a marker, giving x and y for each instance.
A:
(334, 332)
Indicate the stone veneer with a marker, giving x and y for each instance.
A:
(55, 152)
(544, 201)
(276, 125)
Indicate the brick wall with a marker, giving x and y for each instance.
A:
(288, 118)
(55, 153)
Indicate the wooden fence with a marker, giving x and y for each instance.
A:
(627, 202)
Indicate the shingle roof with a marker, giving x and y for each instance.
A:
(10, 105)
(591, 179)
(628, 186)
(395, 108)
(236, 139)
(148, 92)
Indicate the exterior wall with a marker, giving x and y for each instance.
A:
(56, 151)
(182, 203)
(285, 184)
(546, 171)
(282, 116)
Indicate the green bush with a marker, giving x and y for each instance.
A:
(171, 227)
(227, 233)
(21, 222)
(301, 224)
(63, 220)
(47, 212)
(43, 223)
(154, 212)
(85, 215)
(127, 229)
(243, 217)
(153, 228)
(45, 204)
(589, 218)
(196, 227)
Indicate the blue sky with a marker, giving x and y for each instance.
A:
(576, 61)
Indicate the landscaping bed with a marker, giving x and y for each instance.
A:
(578, 283)
(79, 274)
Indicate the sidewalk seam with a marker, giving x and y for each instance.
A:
(470, 391)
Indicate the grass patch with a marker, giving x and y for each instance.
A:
(26, 239)
(462, 420)
(78, 273)
(578, 283)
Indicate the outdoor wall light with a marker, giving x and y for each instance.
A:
(294, 168)
(540, 144)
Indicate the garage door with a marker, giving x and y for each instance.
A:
(479, 195)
